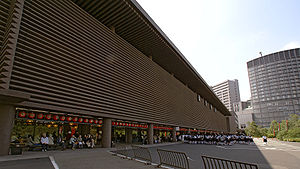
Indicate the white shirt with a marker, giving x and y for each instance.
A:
(44, 140)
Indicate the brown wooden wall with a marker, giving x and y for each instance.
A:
(69, 61)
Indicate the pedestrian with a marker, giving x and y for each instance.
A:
(80, 142)
(265, 140)
(44, 142)
(73, 141)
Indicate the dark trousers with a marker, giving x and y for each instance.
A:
(44, 146)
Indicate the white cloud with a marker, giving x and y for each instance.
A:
(291, 45)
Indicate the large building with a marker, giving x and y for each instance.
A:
(244, 112)
(228, 92)
(100, 67)
(275, 86)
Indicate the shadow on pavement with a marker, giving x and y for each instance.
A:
(43, 163)
(237, 152)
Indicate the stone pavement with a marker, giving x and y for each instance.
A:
(98, 158)
(274, 155)
(73, 159)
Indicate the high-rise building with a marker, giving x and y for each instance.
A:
(275, 86)
(244, 112)
(228, 92)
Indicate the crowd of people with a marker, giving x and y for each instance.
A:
(216, 139)
(68, 140)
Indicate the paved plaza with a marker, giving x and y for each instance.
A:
(277, 155)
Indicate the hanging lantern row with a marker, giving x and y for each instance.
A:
(56, 117)
(129, 124)
(202, 131)
(162, 128)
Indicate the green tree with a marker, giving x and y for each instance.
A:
(263, 131)
(253, 130)
(283, 125)
(293, 121)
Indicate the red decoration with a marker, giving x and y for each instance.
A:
(113, 123)
(22, 114)
(31, 115)
(80, 120)
(91, 120)
(62, 118)
(75, 119)
(69, 118)
(55, 117)
(48, 116)
(96, 121)
(86, 120)
(100, 122)
(40, 116)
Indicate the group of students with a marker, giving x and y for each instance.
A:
(217, 139)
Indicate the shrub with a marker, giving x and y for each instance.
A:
(292, 139)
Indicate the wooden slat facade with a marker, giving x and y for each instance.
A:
(69, 61)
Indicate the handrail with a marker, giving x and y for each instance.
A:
(218, 163)
(173, 159)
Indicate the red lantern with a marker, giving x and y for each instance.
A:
(62, 118)
(100, 122)
(91, 120)
(22, 114)
(48, 116)
(31, 115)
(69, 118)
(113, 123)
(80, 120)
(40, 116)
(75, 119)
(86, 120)
(96, 121)
(55, 117)
(117, 123)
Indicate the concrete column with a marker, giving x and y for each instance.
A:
(7, 117)
(106, 135)
(227, 124)
(174, 134)
(128, 134)
(150, 134)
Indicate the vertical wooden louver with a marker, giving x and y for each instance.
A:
(69, 61)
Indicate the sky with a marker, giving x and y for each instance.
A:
(219, 37)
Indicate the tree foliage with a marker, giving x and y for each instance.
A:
(285, 130)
